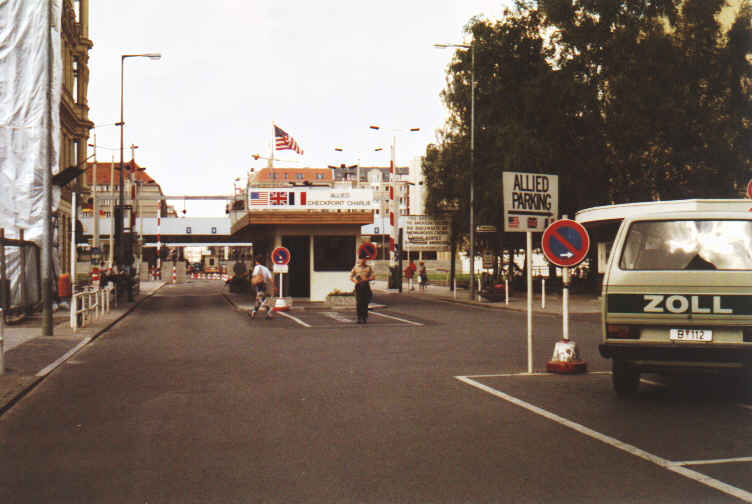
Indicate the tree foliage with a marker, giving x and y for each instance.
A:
(627, 100)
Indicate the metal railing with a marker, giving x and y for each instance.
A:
(90, 304)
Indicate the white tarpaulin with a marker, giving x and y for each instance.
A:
(30, 91)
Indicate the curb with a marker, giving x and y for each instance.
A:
(477, 304)
(46, 371)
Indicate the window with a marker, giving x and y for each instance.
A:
(286, 176)
(319, 176)
(299, 176)
(688, 245)
(333, 253)
(429, 255)
(274, 176)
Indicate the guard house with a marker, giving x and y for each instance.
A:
(319, 225)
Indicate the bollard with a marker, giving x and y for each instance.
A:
(506, 290)
(74, 311)
(543, 292)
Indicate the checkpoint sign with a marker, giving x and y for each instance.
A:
(367, 250)
(565, 243)
(281, 255)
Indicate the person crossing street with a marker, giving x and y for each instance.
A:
(262, 279)
(361, 275)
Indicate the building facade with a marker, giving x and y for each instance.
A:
(74, 116)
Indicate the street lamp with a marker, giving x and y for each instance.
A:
(395, 209)
(470, 46)
(121, 199)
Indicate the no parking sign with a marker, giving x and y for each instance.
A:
(565, 243)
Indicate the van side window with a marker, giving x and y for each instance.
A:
(688, 245)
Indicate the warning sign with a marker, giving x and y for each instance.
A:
(531, 200)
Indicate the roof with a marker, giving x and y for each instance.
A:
(615, 213)
(104, 170)
(275, 218)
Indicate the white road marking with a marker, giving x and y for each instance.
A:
(397, 318)
(51, 367)
(296, 319)
(628, 448)
(339, 317)
(714, 461)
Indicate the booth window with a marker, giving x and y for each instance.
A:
(333, 253)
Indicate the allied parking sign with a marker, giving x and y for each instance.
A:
(565, 243)
(531, 200)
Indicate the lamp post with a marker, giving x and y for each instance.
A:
(395, 207)
(118, 214)
(470, 46)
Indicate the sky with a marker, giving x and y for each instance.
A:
(322, 71)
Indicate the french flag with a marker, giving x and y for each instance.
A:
(301, 198)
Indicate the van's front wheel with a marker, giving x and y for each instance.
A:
(625, 377)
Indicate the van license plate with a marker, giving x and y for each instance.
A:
(691, 335)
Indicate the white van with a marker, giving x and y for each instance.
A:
(677, 295)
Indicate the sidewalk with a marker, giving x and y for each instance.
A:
(29, 356)
(578, 304)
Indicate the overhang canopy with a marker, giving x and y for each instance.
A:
(293, 218)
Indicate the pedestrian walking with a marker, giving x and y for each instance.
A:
(422, 276)
(361, 275)
(410, 274)
(262, 279)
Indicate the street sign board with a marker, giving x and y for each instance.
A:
(281, 255)
(485, 228)
(565, 243)
(531, 200)
(423, 232)
(281, 268)
(367, 250)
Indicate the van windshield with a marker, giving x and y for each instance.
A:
(688, 245)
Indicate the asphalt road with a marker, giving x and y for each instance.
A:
(188, 400)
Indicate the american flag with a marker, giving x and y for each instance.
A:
(283, 141)
(514, 221)
(259, 198)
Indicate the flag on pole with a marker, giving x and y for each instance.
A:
(283, 141)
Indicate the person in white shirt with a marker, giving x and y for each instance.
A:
(263, 280)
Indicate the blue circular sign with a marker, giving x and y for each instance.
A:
(565, 243)
(281, 255)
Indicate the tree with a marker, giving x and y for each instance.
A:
(627, 100)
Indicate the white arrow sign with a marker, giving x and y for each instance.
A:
(567, 255)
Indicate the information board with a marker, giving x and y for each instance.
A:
(531, 201)
(426, 233)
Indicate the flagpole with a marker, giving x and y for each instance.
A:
(274, 141)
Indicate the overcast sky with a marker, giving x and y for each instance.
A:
(323, 71)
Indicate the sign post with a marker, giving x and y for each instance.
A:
(531, 203)
(281, 259)
(565, 244)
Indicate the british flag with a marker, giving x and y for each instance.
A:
(278, 198)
